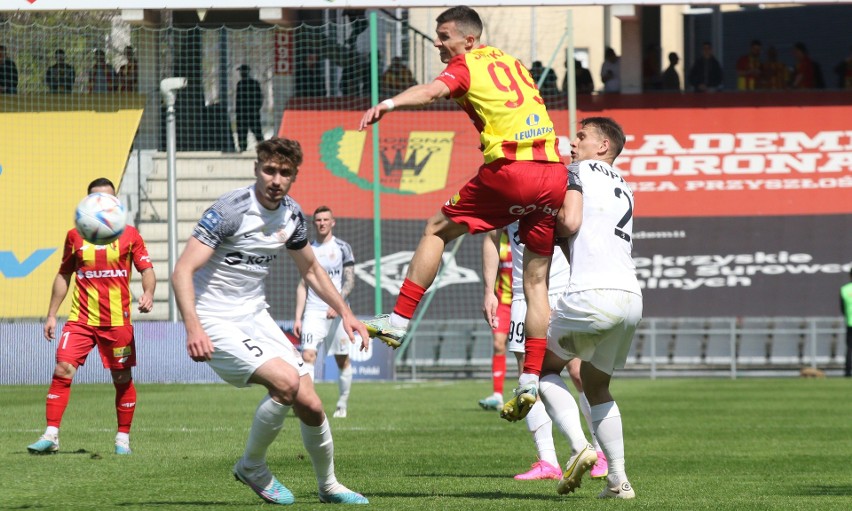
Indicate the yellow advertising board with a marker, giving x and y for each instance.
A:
(51, 148)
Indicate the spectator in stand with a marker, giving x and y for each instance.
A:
(102, 75)
(128, 74)
(249, 102)
(806, 72)
(749, 68)
(548, 88)
(396, 78)
(8, 73)
(671, 80)
(706, 73)
(611, 72)
(843, 70)
(60, 76)
(582, 78)
(776, 75)
(651, 78)
(310, 79)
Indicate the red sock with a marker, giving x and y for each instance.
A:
(410, 295)
(57, 400)
(125, 405)
(534, 355)
(498, 372)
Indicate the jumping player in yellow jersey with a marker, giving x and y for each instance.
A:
(522, 179)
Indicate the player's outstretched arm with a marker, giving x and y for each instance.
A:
(317, 278)
(57, 293)
(413, 97)
(194, 256)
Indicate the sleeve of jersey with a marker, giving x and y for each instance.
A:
(574, 182)
(299, 239)
(348, 256)
(220, 221)
(456, 76)
(141, 259)
(69, 263)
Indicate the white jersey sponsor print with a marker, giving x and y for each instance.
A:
(246, 238)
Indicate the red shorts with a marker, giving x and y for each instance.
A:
(504, 317)
(504, 191)
(115, 344)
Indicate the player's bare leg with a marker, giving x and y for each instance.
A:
(536, 270)
(422, 270)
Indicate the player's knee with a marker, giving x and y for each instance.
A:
(309, 356)
(121, 377)
(64, 370)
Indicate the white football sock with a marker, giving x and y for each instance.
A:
(398, 321)
(587, 414)
(51, 431)
(122, 437)
(344, 383)
(320, 446)
(607, 422)
(268, 420)
(311, 369)
(563, 410)
(541, 427)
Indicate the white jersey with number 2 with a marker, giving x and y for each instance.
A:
(601, 250)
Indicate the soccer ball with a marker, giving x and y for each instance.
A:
(100, 218)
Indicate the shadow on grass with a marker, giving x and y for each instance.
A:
(471, 495)
(218, 504)
(837, 490)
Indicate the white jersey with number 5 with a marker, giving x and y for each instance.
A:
(601, 250)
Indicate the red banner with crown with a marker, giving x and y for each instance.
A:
(680, 161)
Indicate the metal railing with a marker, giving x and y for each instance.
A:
(723, 346)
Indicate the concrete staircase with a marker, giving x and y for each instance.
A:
(201, 178)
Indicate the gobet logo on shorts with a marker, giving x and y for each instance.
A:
(416, 165)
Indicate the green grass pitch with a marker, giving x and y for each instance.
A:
(692, 444)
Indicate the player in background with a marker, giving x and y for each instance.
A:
(100, 316)
(502, 290)
(314, 318)
(219, 288)
(521, 179)
(595, 319)
(538, 422)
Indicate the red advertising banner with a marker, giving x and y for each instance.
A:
(682, 161)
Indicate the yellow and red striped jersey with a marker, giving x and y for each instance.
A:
(503, 286)
(102, 276)
(502, 100)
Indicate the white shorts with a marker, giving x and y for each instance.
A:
(596, 326)
(244, 343)
(517, 337)
(316, 328)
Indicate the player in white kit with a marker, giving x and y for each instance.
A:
(595, 319)
(219, 287)
(315, 320)
(538, 422)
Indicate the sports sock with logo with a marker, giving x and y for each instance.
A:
(57, 400)
(607, 423)
(125, 405)
(563, 410)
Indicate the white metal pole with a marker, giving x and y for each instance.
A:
(169, 88)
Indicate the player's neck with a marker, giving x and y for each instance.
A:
(324, 239)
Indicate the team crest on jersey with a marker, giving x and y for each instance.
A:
(415, 165)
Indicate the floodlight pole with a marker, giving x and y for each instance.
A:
(168, 89)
